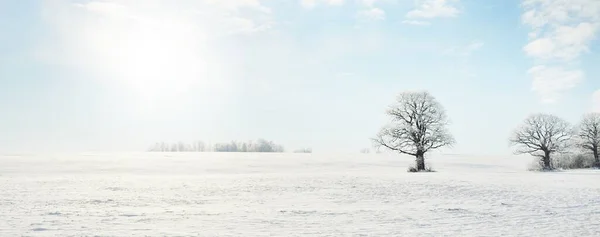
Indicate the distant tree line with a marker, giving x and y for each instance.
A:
(179, 147)
(260, 145)
(303, 150)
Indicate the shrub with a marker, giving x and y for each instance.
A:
(574, 161)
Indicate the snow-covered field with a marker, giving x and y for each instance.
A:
(208, 194)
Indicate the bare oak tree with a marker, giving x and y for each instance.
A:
(418, 125)
(588, 135)
(541, 135)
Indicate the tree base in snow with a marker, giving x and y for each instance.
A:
(415, 170)
(548, 169)
(538, 167)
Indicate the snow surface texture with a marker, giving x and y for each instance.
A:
(208, 194)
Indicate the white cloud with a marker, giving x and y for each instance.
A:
(542, 13)
(313, 3)
(564, 43)
(550, 82)
(596, 102)
(433, 9)
(308, 3)
(418, 23)
(561, 31)
(372, 14)
(540, 48)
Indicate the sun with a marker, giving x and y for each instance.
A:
(160, 61)
(156, 53)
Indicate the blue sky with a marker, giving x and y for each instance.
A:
(110, 75)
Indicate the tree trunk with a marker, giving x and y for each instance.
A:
(596, 159)
(546, 159)
(420, 161)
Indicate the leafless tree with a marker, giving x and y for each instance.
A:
(588, 135)
(541, 135)
(418, 125)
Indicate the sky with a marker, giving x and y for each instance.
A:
(119, 75)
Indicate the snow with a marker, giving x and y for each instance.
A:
(226, 194)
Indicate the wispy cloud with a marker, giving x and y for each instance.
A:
(565, 43)
(426, 9)
(415, 22)
(368, 3)
(475, 45)
(345, 74)
(372, 14)
(465, 50)
(462, 57)
(551, 82)
(238, 4)
(561, 31)
(314, 3)
(368, 12)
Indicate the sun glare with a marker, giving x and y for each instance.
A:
(159, 62)
(155, 53)
(162, 62)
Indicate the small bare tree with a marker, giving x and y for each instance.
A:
(541, 135)
(588, 135)
(418, 125)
